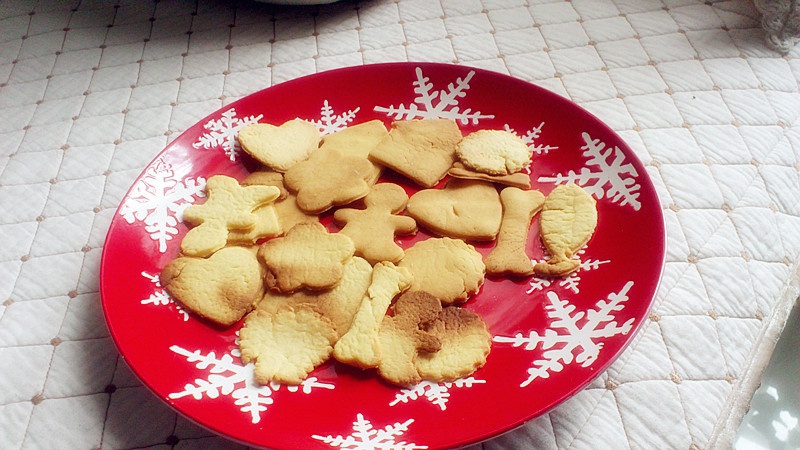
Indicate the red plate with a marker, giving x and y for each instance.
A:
(551, 337)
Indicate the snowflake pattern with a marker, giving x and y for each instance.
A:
(436, 393)
(613, 178)
(582, 336)
(331, 122)
(572, 281)
(436, 104)
(223, 133)
(160, 297)
(229, 378)
(530, 138)
(159, 199)
(365, 437)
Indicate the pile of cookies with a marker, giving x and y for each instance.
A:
(256, 249)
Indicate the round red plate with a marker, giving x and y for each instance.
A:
(550, 337)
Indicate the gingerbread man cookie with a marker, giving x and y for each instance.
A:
(373, 229)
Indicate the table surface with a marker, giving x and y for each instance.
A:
(92, 90)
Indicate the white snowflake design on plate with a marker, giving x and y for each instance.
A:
(223, 133)
(228, 377)
(612, 177)
(530, 138)
(436, 393)
(161, 297)
(366, 437)
(570, 282)
(158, 199)
(581, 334)
(330, 122)
(436, 104)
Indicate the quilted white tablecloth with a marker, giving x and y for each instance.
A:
(92, 90)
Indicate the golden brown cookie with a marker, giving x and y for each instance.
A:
(222, 288)
(465, 209)
(466, 343)
(287, 344)
(228, 206)
(567, 221)
(328, 179)
(307, 257)
(266, 178)
(449, 269)
(509, 256)
(374, 228)
(286, 209)
(403, 336)
(281, 147)
(496, 152)
(519, 179)
(358, 140)
(360, 345)
(339, 303)
(422, 150)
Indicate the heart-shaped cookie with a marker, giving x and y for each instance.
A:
(465, 209)
(280, 147)
(222, 288)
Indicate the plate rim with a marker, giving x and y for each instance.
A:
(410, 65)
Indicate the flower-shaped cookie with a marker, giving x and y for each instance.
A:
(287, 344)
(307, 257)
(328, 178)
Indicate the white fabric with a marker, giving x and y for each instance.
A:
(92, 90)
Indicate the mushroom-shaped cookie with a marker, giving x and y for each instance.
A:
(403, 337)
(495, 152)
(466, 343)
